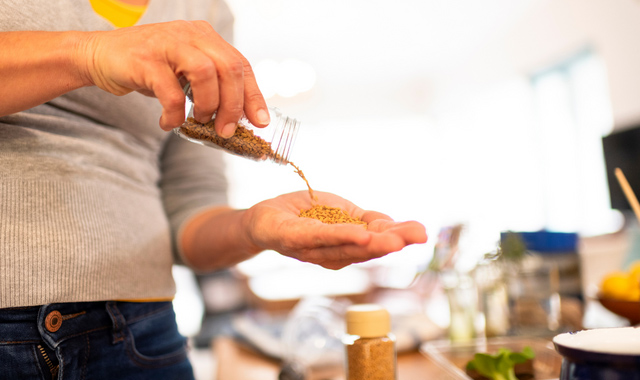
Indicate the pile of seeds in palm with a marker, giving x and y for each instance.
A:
(247, 144)
(325, 214)
(330, 215)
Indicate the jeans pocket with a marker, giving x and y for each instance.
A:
(156, 342)
(27, 361)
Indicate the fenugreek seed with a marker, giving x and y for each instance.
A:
(331, 215)
(243, 143)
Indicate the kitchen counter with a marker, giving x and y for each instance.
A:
(238, 362)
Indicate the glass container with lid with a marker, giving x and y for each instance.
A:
(370, 345)
(273, 142)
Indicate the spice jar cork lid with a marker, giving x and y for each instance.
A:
(368, 320)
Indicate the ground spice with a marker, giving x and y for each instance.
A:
(371, 359)
(246, 143)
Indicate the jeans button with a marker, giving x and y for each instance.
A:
(53, 321)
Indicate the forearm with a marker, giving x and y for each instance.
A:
(36, 67)
(216, 239)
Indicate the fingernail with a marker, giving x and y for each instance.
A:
(228, 130)
(263, 117)
(163, 123)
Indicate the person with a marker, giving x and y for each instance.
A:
(98, 201)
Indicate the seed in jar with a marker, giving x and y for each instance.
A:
(243, 142)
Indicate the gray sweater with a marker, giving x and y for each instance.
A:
(92, 191)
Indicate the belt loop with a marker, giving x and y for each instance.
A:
(118, 321)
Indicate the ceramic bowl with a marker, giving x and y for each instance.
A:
(607, 353)
(625, 309)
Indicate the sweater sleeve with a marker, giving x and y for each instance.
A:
(193, 179)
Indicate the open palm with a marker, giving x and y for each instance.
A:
(276, 225)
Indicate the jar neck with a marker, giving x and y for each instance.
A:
(285, 132)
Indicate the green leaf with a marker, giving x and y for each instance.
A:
(521, 357)
(485, 364)
(501, 365)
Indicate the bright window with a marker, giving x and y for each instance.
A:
(573, 113)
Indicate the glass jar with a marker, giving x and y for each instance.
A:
(273, 142)
(462, 295)
(311, 340)
(370, 345)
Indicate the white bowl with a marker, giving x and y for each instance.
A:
(608, 353)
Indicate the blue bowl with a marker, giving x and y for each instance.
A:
(607, 354)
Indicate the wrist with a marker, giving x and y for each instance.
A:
(82, 46)
(247, 233)
(217, 238)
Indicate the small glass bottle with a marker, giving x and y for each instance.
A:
(370, 345)
(273, 142)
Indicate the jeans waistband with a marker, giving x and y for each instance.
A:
(59, 321)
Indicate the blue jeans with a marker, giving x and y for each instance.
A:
(93, 340)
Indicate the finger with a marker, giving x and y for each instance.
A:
(336, 265)
(370, 216)
(147, 92)
(169, 93)
(385, 243)
(336, 257)
(411, 232)
(231, 85)
(200, 71)
(232, 66)
(206, 98)
(310, 233)
(254, 105)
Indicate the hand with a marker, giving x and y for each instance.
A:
(274, 224)
(151, 58)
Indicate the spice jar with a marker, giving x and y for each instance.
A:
(370, 346)
(273, 142)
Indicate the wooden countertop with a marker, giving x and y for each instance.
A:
(238, 362)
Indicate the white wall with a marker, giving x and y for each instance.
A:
(553, 30)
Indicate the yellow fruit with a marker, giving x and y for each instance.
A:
(633, 295)
(618, 285)
(634, 271)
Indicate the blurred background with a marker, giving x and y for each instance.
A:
(486, 113)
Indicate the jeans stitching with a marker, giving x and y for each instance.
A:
(86, 357)
(2, 342)
(115, 314)
(153, 362)
(143, 316)
(162, 361)
(66, 337)
(71, 316)
(112, 310)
